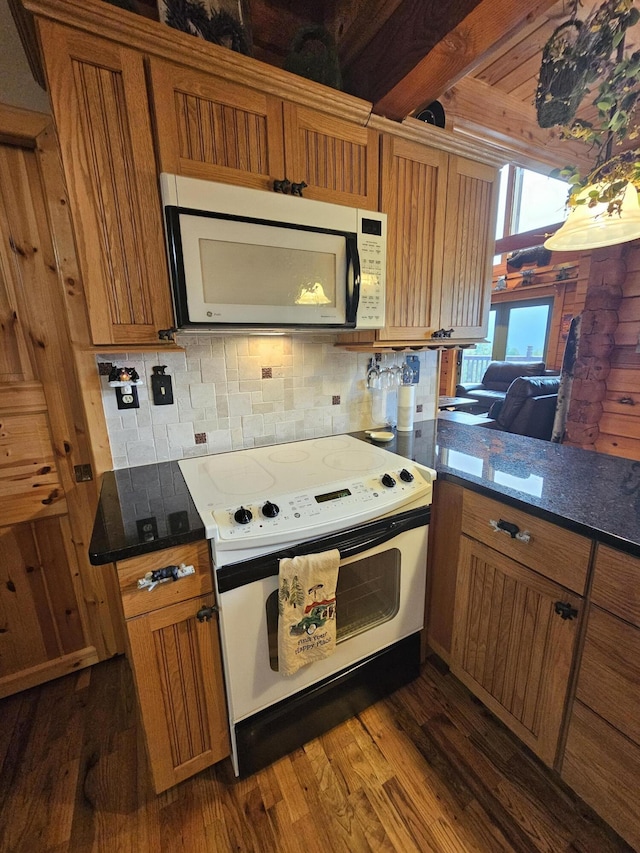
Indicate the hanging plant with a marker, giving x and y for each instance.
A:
(577, 54)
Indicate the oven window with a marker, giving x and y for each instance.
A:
(368, 594)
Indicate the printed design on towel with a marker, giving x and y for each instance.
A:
(307, 609)
(315, 614)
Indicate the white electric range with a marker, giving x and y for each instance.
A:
(261, 504)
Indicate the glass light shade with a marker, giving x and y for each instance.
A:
(592, 227)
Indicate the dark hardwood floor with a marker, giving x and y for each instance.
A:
(428, 769)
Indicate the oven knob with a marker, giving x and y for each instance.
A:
(407, 476)
(388, 481)
(243, 515)
(270, 510)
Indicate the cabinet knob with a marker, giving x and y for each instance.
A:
(167, 573)
(283, 186)
(205, 614)
(565, 610)
(512, 529)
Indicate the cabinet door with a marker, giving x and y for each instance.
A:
(414, 184)
(468, 248)
(99, 100)
(510, 647)
(213, 129)
(338, 160)
(178, 674)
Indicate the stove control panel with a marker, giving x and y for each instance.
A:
(282, 518)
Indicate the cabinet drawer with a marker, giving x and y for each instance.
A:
(556, 553)
(603, 768)
(609, 681)
(137, 601)
(616, 583)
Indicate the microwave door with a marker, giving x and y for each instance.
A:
(239, 271)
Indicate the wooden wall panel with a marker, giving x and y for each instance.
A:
(43, 290)
(39, 615)
(29, 483)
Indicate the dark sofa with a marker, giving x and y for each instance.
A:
(529, 407)
(497, 378)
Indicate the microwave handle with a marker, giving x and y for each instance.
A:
(353, 293)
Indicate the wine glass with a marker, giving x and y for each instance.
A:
(373, 375)
(396, 373)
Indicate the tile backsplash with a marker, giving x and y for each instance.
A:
(236, 391)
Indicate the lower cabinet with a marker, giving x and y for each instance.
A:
(602, 756)
(174, 652)
(505, 609)
(555, 657)
(511, 645)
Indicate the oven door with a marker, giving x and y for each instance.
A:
(380, 600)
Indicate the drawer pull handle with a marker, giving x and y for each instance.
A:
(167, 573)
(565, 610)
(512, 529)
(205, 613)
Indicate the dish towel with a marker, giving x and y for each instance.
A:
(307, 609)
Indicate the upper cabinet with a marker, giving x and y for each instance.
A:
(441, 210)
(208, 127)
(141, 98)
(465, 294)
(214, 129)
(414, 196)
(99, 101)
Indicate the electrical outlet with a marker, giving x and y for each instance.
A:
(127, 400)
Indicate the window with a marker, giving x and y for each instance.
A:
(518, 331)
(528, 200)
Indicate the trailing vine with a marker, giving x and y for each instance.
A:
(578, 54)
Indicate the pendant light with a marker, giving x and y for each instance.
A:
(607, 210)
(591, 226)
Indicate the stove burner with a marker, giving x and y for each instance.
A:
(351, 460)
(289, 454)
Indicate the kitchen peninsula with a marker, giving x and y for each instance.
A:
(533, 589)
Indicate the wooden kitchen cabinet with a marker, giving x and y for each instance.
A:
(441, 210)
(510, 645)
(492, 614)
(602, 756)
(174, 652)
(214, 129)
(99, 102)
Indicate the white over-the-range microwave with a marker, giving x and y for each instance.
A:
(247, 259)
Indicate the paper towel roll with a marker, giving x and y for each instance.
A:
(406, 407)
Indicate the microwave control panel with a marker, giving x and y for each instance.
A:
(372, 242)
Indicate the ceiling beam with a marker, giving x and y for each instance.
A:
(426, 47)
(397, 42)
(483, 112)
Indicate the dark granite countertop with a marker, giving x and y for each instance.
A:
(592, 493)
(148, 508)
(143, 509)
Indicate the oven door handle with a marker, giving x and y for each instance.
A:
(348, 542)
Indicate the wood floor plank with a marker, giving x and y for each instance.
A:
(427, 770)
